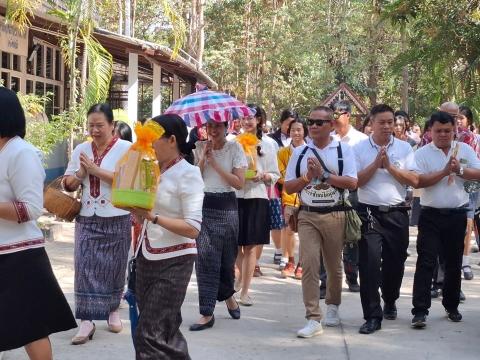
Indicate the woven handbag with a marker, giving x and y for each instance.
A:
(59, 202)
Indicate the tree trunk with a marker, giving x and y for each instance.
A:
(192, 28)
(134, 12)
(120, 16)
(128, 18)
(247, 22)
(200, 32)
(405, 77)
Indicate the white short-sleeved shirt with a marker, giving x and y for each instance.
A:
(310, 195)
(352, 138)
(230, 157)
(383, 188)
(21, 183)
(97, 194)
(430, 158)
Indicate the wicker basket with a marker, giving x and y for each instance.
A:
(59, 203)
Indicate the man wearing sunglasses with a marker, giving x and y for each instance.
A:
(346, 133)
(320, 172)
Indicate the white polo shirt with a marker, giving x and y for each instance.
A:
(352, 137)
(430, 159)
(329, 155)
(383, 188)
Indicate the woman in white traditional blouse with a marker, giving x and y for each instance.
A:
(223, 165)
(102, 232)
(166, 254)
(32, 305)
(253, 206)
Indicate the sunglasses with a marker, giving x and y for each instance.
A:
(337, 115)
(311, 122)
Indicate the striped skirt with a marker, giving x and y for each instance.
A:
(101, 251)
(217, 247)
(161, 287)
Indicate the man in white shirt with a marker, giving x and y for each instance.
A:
(320, 172)
(346, 133)
(383, 164)
(443, 166)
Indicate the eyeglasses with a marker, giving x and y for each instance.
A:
(318, 122)
(337, 115)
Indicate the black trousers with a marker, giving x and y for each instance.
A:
(382, 255)
(350, 256)
(441, 234)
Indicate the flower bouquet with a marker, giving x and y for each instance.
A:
(249, 144)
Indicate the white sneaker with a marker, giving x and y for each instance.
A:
(312, 328)
(332, 319)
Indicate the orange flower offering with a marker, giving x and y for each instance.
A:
(137, 174)
(249, 144)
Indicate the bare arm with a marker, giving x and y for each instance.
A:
(471, 174)
(366, 174)
(342, 182)
(427, 180)
(8, 212)
(176, 226)
(295, 185)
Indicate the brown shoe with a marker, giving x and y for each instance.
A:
(114, 323)
(298, 272)
(289, 270)
(79, 340)
(257, 272)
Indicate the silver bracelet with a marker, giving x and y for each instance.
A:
(76, 176)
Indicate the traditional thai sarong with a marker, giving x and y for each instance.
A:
(217, 247)
(101, 251)
(32, 305)
(160, 290)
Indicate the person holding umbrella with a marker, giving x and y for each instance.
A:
(222, 164)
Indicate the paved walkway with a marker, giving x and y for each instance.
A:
(267, 329)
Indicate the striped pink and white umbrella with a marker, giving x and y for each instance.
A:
(206, 105)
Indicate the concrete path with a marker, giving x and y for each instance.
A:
(267, 329)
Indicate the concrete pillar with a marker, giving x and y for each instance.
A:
(132, 106)
(157, 90)
(176, 87)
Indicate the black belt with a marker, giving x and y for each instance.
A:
(324, 209)
(385, 208)
(447, 211)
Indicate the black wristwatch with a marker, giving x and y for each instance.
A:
(325, 176)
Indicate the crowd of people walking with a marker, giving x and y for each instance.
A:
(212, 214)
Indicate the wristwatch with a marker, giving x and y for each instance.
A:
(460, 171)
(325, 176)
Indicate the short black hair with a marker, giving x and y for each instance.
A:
(342, 105)
(287, 114)
(403, 114)
(103, 108)
(442, 117)
(123, 130)
(380, 108)
(323, 108)
(12, 122)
